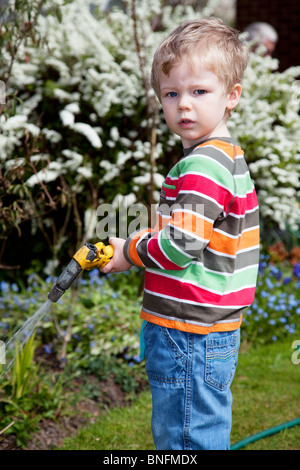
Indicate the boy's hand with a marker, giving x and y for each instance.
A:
(118, 263)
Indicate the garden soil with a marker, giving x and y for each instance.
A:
(52, 432)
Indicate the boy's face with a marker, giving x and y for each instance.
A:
(194, 102)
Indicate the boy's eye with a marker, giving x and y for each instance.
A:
(172, 94)
(200, 92)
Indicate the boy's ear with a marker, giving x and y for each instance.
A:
(234, 96)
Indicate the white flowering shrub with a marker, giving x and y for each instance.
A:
(267, 124)
(81, 125)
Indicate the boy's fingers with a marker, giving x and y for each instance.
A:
(113, 240)
(107, 268)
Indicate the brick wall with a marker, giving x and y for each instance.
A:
(284, 16)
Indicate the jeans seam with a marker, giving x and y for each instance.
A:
(175, 348)
(166, 380)
(188, 393)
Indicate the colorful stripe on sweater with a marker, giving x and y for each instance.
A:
(201, 258)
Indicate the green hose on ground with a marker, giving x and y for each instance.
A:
(266, 433)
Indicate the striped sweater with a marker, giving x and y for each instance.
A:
(201, 258)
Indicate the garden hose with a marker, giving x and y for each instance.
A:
(268, 432)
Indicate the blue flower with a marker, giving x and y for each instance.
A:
(4, 286)
(292, 328)
(137, 359)
(47, 349)
(296, 270)
(94, 273)
(16, 300)
(262, 266)
(276, 272)
(282, 320)
(292, 301)
(269, 284)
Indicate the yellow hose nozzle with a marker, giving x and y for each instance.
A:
(87, 257)
(94, 256)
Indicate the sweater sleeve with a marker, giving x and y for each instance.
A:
(204, 191)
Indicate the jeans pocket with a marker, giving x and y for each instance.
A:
(221, 355)
(165, 360)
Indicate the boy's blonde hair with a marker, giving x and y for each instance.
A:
(217, 45)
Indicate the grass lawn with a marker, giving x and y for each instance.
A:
(266, 393)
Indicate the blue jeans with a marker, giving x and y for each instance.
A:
(190, 377)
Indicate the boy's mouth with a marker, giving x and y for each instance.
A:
(185, 122)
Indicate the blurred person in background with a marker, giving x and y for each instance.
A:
(262, 34)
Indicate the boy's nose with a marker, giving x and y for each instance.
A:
(184, 103)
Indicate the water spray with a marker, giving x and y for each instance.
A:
(88, 257)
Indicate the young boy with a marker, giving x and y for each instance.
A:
(201, 258)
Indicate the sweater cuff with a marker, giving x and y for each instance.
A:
(126, 250)
(130, 247)
(130, 252)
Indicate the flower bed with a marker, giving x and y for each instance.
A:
(92, 337)
(275, 313)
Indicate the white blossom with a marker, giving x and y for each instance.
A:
(88, 132)
(34, 130)
(74, 159)
(85, 171)
(99, 84)
(46, 175)
(51, 135)
(73, 108)
(14, 122)
(67, 117)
